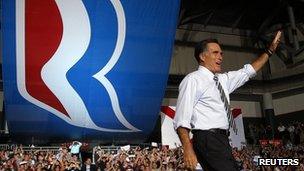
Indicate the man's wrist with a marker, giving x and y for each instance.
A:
(268, 52)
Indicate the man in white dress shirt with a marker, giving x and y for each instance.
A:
(202, 106)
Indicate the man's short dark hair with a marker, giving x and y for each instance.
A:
(202, 46)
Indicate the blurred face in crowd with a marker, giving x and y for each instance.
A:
(26, 157)
(22, 167)
(212, 57)
(40, 157)
(108, 165)
(154, 165)
(88, 161)
(74, 157)
(104, 159)
(57, 168)
(39, 166)
(142, 167)
(170, 165)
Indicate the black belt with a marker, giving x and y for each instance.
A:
(214, 130)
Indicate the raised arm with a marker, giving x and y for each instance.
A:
(263, 58)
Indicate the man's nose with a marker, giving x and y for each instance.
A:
(220, 57)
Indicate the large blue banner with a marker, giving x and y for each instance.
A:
(91, 69)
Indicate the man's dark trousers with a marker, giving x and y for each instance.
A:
(213, 151)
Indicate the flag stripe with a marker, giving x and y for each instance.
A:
(236, 112)
(168, 111)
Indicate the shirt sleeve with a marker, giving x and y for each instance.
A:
(236, 79)
(185, 103)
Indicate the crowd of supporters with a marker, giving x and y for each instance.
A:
(149, 158)
(146, 158)
(34, 159)
(292, 132)
(137, 158)
(247, 158)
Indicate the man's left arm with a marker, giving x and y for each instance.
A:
(235, 79)
(262, 59)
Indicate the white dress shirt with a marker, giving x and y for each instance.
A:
(199, 105)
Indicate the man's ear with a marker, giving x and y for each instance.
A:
(202, 56)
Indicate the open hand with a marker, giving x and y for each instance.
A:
(273, 46)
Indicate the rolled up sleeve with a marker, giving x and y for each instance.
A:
(235, 79)
(185, 103)
(249, 70)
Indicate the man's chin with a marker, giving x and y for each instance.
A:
(218, 70)
(215, 70)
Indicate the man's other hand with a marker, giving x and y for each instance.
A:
(190, 160)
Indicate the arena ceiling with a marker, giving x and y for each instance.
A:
(256, 15)
(259, 18)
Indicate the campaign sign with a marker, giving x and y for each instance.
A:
(86, 69)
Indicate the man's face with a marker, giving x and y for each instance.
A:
(212, 58)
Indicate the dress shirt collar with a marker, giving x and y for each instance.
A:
(206, 71)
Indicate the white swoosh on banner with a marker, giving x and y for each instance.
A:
(74, 43)
(100, 76)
